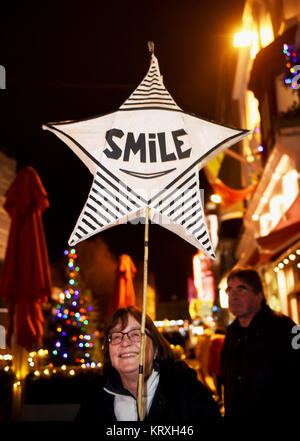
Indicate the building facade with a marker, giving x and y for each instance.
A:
(266, 92)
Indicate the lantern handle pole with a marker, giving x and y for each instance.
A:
(145, 283)
(151, 47)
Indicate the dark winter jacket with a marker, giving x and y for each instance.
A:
(179, 398)
(260, 367)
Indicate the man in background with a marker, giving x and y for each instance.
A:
(260, 366)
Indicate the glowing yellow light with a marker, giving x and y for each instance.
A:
(197, 273)
(32, 354)
(276, 269)
(7, 357)
(223, 298)
(17, 384)
(285, 261)
(36, 373)
(216, 198)
(276, 176)
(243, 39)
(46, 372)
(280, 265)
(298, 265)
(6, 368)
(72, 372)
(292, 257)
(255, 46)
(298, 252)
(255, 217)
(58, 329)
(266, 36)
(64, 367)
(264, 200)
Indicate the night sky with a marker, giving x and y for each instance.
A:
(72, 60)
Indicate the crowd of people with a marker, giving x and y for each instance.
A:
(254, 365)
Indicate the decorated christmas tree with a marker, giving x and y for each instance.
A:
(73, 337)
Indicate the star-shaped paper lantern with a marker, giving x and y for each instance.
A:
(146, 154)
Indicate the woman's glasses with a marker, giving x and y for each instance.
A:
(134, 335)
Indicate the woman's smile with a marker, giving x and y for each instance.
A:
(128, 354)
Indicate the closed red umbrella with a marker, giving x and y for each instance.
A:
(124, 294)
(25, 281)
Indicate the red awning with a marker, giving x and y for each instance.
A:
(280, 239)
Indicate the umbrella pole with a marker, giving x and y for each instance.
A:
(145, 283)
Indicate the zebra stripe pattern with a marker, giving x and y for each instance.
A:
(151, 93)
(108, 202)
(111, 201)
(182, 205)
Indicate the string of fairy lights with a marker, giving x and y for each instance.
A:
(38, 366)
(292, 60)
(291, 257)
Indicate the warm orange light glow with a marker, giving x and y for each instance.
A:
(197, 273)
(216, 198)
(243, 39)
(252, 114)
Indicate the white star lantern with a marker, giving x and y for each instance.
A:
(146, 154)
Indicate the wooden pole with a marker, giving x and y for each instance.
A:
(145, 283)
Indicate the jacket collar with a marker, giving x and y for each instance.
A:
(114, 384)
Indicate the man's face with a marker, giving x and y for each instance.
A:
(244, 303)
